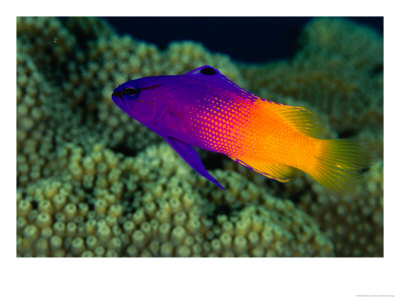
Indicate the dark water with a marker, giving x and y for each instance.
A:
(246, 39)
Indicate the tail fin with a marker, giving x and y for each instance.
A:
(339, 165)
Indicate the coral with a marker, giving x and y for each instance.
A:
(107, 205)
(94, 182)
(355, 225)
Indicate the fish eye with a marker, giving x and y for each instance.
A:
(208, 71)
(131, 91)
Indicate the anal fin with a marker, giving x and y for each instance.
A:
(279, 172)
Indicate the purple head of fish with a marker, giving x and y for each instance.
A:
(139, 99)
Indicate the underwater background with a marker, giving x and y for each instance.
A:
(91, 181)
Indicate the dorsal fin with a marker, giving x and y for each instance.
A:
(213, 76)
(301, 119)
(204, 70)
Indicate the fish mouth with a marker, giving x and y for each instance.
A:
(118, 101)
(118, 94)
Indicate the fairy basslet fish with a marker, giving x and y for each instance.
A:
(204, 109)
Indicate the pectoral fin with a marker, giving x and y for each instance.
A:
(190, 155)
